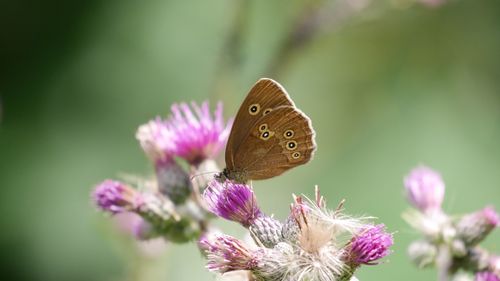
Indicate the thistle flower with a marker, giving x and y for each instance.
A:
(314, 243)
(159, 217)
(473, 228)
(116, 197)
(207, 238)
(232, 201)
(487, 276)
(425, 189)
(370, 245)
(312, 249)
(192, 136)
(226, 253)
(308, 216)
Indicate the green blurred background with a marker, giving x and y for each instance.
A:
(388, 85)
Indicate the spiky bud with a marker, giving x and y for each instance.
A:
(474, 227)
(422, 253)
(173, 181)
(266, 230)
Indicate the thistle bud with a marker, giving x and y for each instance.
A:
(474, 227)
(160, 212)
(173, 181)
(266, 230)
(425, 189)
(422, 253)
(476, 260)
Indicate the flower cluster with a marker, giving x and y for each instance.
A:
(449, 242)
(169, 208)
(314, 243)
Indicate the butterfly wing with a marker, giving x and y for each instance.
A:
(277, 142)
(264, 96)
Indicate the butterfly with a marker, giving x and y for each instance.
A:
(269, 135)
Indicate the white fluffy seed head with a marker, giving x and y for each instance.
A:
(290, 262)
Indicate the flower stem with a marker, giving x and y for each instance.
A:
(443, 263)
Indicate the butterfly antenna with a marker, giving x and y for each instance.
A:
(196, 189)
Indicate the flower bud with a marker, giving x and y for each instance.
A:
(161, 214)
(266, 230)
(181, 231)
(458, 248)
(474, 227)
(425, 189)
(476, 260)
(422, 253)
(173, 181)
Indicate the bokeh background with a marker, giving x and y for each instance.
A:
(388, 85)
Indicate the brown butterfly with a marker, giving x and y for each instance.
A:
(269, 135)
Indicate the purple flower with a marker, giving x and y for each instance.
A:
(425, 189)
(371, 244)
(486, 276)
(232, 201)
(226, 253)
(192, 136)
(116, 197)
